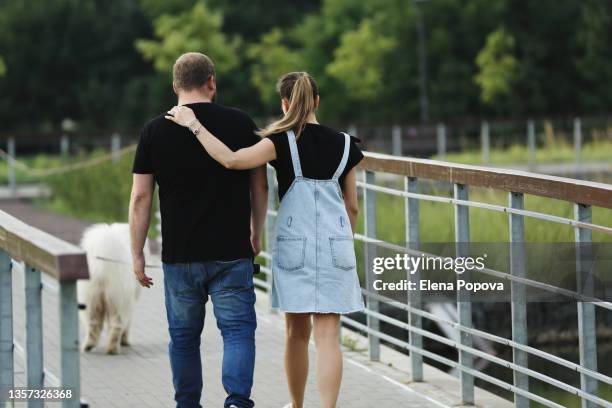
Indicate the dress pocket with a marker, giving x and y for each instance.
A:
(342, 252)
(291, 252)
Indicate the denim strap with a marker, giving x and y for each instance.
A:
(342, 165)
(295, 156)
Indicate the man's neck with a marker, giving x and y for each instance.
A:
(186, 98)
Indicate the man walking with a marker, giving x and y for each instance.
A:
(212, 220)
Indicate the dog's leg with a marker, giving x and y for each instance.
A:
(95, 313)
(125, 337)
(116, 328)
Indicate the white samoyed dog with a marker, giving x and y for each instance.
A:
(112, 290)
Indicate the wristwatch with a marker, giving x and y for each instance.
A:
(195, 130)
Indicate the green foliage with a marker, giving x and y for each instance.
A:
(76, 58)
(437, 219)
(271, 58)
(156, 8)
(69, 58)
(595, 151)
(2, 67)
(497, 66)
(196, 29)
(595, 37)
(99, 193)
(39, 162)
(357, 61)
(251, 19)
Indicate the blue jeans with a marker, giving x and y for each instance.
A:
(230, 286)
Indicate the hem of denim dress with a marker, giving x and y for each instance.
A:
(322, 311)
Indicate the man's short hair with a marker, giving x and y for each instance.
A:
(192, 70)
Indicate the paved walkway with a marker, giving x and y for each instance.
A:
(140, 375)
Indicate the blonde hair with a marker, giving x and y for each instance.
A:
(301, 90)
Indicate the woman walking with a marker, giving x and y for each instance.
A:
(314, 268)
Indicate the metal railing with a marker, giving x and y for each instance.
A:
(61, 262)
(584, 195)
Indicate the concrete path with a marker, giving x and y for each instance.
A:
(140, 375)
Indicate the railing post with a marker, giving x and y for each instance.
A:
(485, 143)
(414, 297)
(34, 331)
(371, 250)
(531, 144)
(587, 334)
(115, 146)
(518, 296)
(270, 230)
(441, 138)
(12, 172)
(578, 143)
(464, 305)
(396, 140)
(69, 354)
(64, 146)
(6, 324)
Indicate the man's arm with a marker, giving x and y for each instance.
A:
(246, 158)
(141, 200)
(259, 205)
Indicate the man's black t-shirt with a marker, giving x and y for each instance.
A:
(320, 149)
(205, 208)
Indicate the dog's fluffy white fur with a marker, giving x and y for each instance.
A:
(112, 289)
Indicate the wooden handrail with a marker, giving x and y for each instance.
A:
(40, 250)
(561, 188)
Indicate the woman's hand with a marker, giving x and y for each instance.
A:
(182, 115)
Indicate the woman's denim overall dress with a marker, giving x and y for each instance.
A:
(314, 266)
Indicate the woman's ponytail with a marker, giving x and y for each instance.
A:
(301, 91)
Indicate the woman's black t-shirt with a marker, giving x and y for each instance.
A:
(320, 149)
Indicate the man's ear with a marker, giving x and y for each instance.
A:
(175, 88)
(211, 84)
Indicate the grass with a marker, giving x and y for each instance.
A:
(98, 193)
(352, 343)
(557, 151)
(565, 398)
(39, 162)
(437, 219)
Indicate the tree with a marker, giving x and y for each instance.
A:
(155, 8)
(497, 66)
(357, 61)
(196, 29)
(594, 64)
(309, 46)
(68, 59)
(2, 67)
(251, 19)
(546, 49)
(273, 58)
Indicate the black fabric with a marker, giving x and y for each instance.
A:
(320, 149)
(205, 208)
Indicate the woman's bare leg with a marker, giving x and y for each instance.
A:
(329, 357)
(299, 326)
